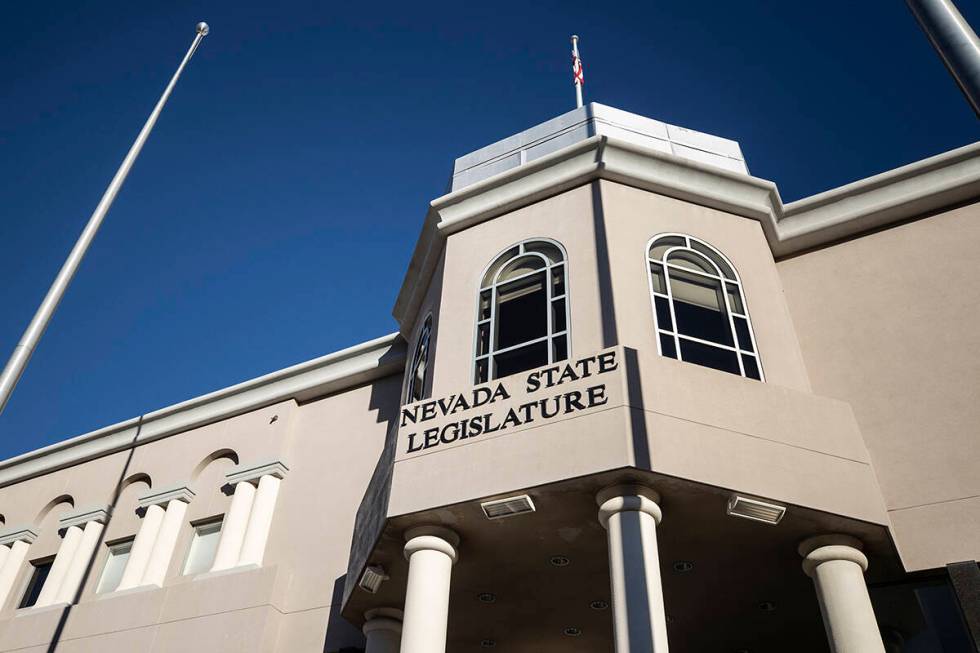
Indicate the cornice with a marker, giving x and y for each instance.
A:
(328, 374)
(17, 534)
(163, 496)
(85, 515)
(254, 472)
(892, 197)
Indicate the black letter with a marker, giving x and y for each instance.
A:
(533, 382)
(596, 393)
(411, 444)
(607, 362)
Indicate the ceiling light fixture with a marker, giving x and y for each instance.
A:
(560, 561)
(599, 605)
(572, 631)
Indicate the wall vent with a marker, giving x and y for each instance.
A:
(755, 509)
(372, 578)
(508, 507)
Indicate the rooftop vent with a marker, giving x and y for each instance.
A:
(755, 509)
(508, 507)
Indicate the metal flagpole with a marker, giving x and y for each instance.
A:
(578, 77)
(28, 342)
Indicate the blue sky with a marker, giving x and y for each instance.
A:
(270, 218)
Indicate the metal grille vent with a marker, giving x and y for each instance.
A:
(756, 510)
(508, 507)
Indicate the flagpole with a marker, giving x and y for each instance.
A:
(576, 61)
(28, 342)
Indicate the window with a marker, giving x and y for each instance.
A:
(419, 370)
(522, 315)
(38, 576)
(698, 307)
(114, 566)
(203, 547)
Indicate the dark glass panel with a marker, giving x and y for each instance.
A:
(497, 264)
(692, 261)
(663, 313)
(38, 577)
(726, 270)
(550, 251)
(558, 323)
(657, 278)
(751, 367)
(481, 371)
(485, 305)
(521, 311)
(561, 348)
(558, 280)
(735, 299)
(518, 360)
(742, 331)
(663, 244)
(699, 308)
(521, 266)
(483, 339)
(667, 345)
(719, 359)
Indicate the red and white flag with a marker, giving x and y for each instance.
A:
(578, 76)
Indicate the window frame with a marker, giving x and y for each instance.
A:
(550, 336)
(111, 548)
(31, 585)
(425, 336)
(724, 282)
(195, 527)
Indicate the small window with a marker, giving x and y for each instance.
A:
(38, 576)
(698, 306)
(203, 547)
(522, 313)
(418, 372)
(114, 566)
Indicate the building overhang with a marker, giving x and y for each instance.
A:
(902, 194)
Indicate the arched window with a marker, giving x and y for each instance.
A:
(698, 306)
(522, 318)
(418, 373)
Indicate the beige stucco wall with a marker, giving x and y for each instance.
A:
(330, 445)
(889, 323)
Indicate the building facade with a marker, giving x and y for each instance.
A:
(635, 401)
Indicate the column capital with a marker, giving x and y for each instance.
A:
(826, 548)
(17, 534)
(83, 516)
(619, 498)
(253, 472)
(433, 538)
(389, 619)
(163, 496)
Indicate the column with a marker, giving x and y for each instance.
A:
(81, 562)
(15, 541)
(630, 514)
(245, 529)
(165, 511)
(62, 560)
(142, 545)
(233, 527)
(837, 565)
(431, 553)
(383, 630)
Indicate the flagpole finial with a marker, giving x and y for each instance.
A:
(203, 29)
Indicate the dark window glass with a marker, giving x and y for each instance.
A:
(561, 348)
(667, 345)
(481, 371)
(558, 316)
(742, 329)
(657, 276)
(521, 311)
(557, 280)
(523, 358)
(663, 313)
(485, 305)
(751, 367)
(483, 339)
(700, 308)
(735, 299)
(40, 574)
(720, 359)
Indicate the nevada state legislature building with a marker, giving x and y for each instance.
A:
(635, 401)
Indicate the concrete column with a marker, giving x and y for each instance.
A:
(431, 553)
(80, 562)
(62, 560)
(163, 548)
(837, 565)
(630, 514)
(233, 527)
(4, 552)
(139, 555)
(383, 630)
(259, 521)
(16, 543)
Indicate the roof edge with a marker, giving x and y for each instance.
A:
(327, 374)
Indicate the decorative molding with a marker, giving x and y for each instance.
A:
(254, 472)
(85, 515)
(328, 374)
(905, 193)
(166, 495)
(17, 534)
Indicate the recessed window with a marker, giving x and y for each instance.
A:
(114, 566)
(698, 306)
(38, 575)
(418, 372)
(204, 544)
(522, 313)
